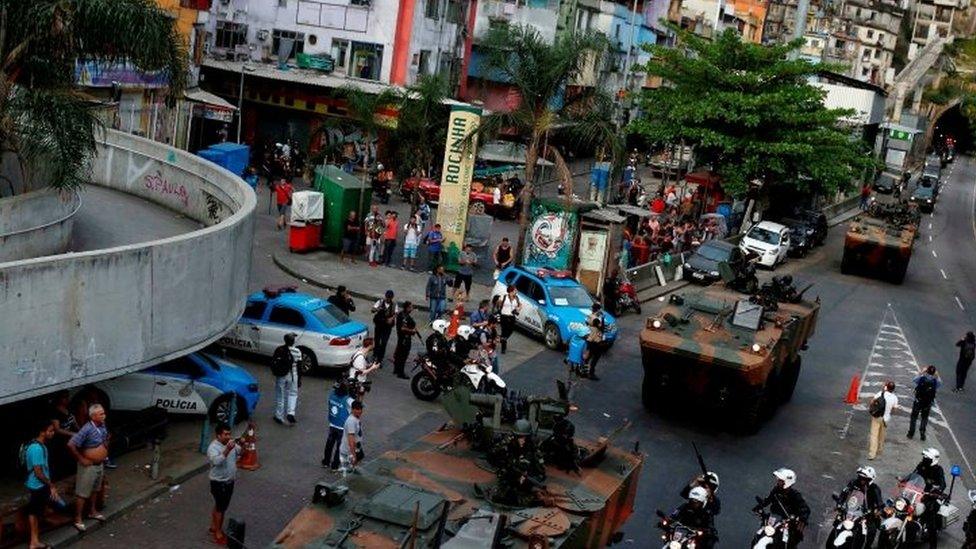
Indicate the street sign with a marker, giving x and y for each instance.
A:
(900, 134)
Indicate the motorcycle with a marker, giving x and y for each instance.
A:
(381, 189)
(627, 296)
(773, 532)
(431, 379)
(677, 535)
(850, 528)
(902, 522)
(483, 379)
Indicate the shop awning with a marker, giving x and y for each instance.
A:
(200, 96)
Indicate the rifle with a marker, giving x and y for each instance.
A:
(701, 462)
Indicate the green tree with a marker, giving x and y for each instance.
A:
(47, 124)
(751, 114)
(421, 125)
(541, 71)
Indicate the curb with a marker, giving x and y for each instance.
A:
(125, 505)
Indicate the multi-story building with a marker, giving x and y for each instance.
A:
(710, 17)
(931, 19)
(864, 37)
(781, 19)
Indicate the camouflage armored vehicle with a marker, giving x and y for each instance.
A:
(487, 482)
(732, 353)
(879, 241)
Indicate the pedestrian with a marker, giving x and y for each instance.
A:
(489, 339)
(510, 308)
(423, 212)
(342, 300)
(436, 292)
(283, 191)
(467, 259)
(595, 344)
(411, 239)
(503, 256)
(350, 238)
(339, 406)
(479, 318)
(406, 329)
(360, 369)
(967, 351)
(284, 368)
(435, 247)
(865, 196)
(351, 452)
(457, 314)
(222, 454)
(89, 447)
(389, 237)
(373, 227)
(886, 403)
(384, 320)
(42, 491)
(926, 386)
(65, 427)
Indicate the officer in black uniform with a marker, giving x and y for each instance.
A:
(787, 502)
(693, 514)
(873, 500)
(406, 329)
(935, 483)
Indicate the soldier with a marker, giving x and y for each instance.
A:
(523, 470)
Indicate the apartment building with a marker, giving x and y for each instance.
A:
(864, 37)
(711, 17)
(931, 19)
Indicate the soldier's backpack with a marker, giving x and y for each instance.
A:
(877, 406)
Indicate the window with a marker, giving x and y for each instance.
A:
(432, 9)
(330, 316)
(570, 296)
(870, 33)
(530, 288)
(340, 52)
(181, 366)
(877, 54)
(423, 64)
(254, 310)
(455, 13)
(229, 35)
(298, 45)
(366, 61)
(286, 316)
(508, 278)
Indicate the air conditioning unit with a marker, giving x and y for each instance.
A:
(262, 35)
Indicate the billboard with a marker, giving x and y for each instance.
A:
(459, 153)
(552, 232)
(102, 74)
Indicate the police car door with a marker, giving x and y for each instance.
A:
(175, 388)
(282, 320)
(533, 299)
(246, 333)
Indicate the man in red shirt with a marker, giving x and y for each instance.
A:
(389, 238)
(658, 205)
(283, 191)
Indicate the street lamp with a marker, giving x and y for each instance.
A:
(240, 93)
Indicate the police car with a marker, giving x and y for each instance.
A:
(554, 305)
(197, 383)
(326, 336)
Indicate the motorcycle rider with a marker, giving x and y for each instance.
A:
(708, 481)
(437, 345)
(787, 502)
(459, 347)
(873, 500)
(935, 483)
(694, 514)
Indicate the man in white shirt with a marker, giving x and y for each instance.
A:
(879, 425)
(361, 368)
(351, 448)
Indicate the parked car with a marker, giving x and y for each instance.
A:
(702, 265)
(887, 183)
(931, 182)
(554, 305)
(924, 197)
(801, 236)
(815, 220)
(325, 335)
(769, 241)
(197, 383)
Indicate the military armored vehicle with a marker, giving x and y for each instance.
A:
(879, 241)
(508, 473)
(735, 355)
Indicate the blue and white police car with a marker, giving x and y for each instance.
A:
(554, 305)
(326, 336)
(197, 383)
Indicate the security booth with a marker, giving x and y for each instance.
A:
(343, 193)
(601, 231)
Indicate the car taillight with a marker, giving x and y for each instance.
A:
(340, 341)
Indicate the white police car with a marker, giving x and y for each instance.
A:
(197, 383)
(325, 335)
(554, 305)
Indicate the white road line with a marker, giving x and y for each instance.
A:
(930, 228)
(959, 302)
(945, 276)
(934, 254)
(930, 236)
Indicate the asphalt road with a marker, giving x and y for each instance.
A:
(814, 434)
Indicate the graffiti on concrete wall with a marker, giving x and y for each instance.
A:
(157, 183)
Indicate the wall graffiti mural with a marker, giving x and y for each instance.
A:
(549, 241)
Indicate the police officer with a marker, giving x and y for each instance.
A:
(595, 345)
(935, 483)
(460, 345)
(406, 328)
(873, 500)
(708, 481)
(437, 348)
(384, 319)
(787, 502)
(693, 514)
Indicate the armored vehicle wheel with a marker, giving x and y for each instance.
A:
(753, 410)
(898, 274)
(791, 373)
(845, 265)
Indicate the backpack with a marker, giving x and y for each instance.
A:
(281, 361)
(968, 351)
(22, 454)
(925, 391)
(877, 406)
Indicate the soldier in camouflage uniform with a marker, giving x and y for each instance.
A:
(523, 471)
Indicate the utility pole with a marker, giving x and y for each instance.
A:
(630, 47)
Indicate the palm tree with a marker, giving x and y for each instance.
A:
(421, 124)
(47, 124)
(540, 72)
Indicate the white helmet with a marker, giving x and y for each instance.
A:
(786, 475)
(712, 478)
(379, 166)
(439, 326)
(932, 454)
(465, 331)
(698, 494)
(867, 472)
(972, 496)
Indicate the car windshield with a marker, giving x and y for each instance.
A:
(570, 296)
(330, 316)
(764, 235)
(923, 192)
(713, 253)
(886, 180)
(210, 362)
(927, 181)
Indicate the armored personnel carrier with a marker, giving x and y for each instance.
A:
(509, 473)
(879, 241)
(732, 353)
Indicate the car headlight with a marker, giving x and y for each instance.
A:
(929, 200)
(809, 232)
(714, 273)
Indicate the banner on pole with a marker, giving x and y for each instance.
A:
(459, 154)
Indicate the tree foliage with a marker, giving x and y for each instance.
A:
(421, 125)
(46, 122)
(751, 114)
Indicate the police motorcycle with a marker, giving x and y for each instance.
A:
(773, 532)
(436, 373)
(478, 372)
(850, 526)
(902, 524)
(676, 535)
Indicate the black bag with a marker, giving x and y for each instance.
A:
(925, 391)
(281, 361)
(877, 406)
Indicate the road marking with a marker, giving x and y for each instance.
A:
(959, 302)
(930, 228)
(930, 236)
(934, 254)
(943, 274)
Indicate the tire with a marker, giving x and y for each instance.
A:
(309, 362)
(753, 411)
(551, 336)
(476, 208)
(220, 410)
(898, 274)
(424, 387)
(845, 265)
(788, 381)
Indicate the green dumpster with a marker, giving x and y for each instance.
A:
(341, 191)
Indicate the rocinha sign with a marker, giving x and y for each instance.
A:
(459, 154)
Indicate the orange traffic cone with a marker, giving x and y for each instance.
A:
(854, 390)
(249, 445)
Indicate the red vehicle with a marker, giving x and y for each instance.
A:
(483, 191)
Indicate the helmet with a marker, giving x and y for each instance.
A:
(712, 478)
(972, 496)
(522, 427)
(786, 475)
(932, 454)
(439, 326)
(379, 166)
(465, 331)
(698, 494)
(867, 472)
